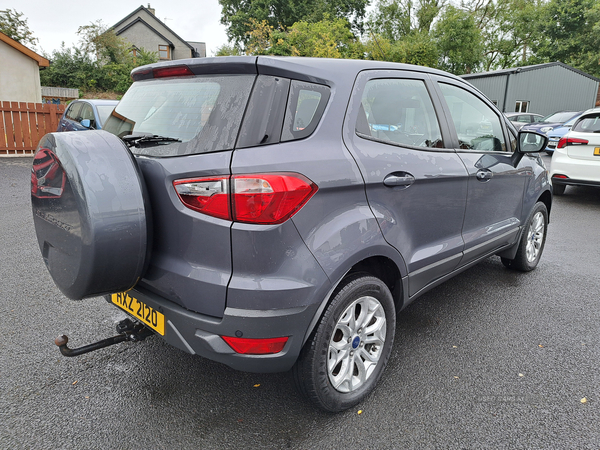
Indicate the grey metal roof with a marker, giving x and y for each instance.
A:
(317, 70)
(527, 69)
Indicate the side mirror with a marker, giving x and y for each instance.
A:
(531, 142)
(86, 123)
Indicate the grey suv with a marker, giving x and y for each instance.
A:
(276, 213)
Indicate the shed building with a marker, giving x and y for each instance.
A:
(19, 72)
(541, 88)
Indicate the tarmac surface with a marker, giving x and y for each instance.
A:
(491, 359)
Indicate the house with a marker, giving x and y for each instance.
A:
(19, 72)
(144, 30)
(540, 88)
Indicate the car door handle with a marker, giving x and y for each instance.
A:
(484, 174)
(399, 179)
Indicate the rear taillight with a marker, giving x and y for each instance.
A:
(205, 195)
(256, 198)
(256, 346)
(571, 141)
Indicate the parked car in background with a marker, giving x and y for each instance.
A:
(558, 132)
(276, 213)
(520, 119)
(576, 160)
(551, 122)
(83, 115)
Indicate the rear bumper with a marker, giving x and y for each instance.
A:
(580, 172)
(200, 334)
(575, 182)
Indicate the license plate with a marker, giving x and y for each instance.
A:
(597, 151)
(140, 311)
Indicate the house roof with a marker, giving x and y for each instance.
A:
(140, 20)
(494, 73)
(42, 62)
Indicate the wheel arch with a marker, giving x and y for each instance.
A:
(379, 266)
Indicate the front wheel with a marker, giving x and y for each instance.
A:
(532, 241)
(347, 352)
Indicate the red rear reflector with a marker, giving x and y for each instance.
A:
(175, 71)
(571, 141)
(266, 199)
(560, 176)
(256, 346)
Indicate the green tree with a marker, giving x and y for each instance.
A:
(15, 26)
(459, 41)
(329, 38)
(238, 15)
(102, 62)
(567, 32)
(228, 50)
(417, 48)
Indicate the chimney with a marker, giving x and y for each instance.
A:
(152, 10)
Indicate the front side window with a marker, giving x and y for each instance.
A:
(199, 114)
(478, 127)
(399, 111)
(87, 113)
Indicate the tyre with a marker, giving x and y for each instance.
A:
(558, 189)
(90, 211)
(347, 353)
(532, 241)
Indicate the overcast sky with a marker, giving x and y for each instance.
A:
(55, 22)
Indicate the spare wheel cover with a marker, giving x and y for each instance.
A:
(90, 212)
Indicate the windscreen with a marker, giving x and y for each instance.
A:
(558, 117)
(104, 111)
(203, 113)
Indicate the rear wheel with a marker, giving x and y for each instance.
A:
(346, 354)
(532, 241)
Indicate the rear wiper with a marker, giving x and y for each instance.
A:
(135, 140)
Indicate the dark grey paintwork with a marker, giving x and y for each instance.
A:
(93, 234)
(410, 216)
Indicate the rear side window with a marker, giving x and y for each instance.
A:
(203, 112)
(305, 106)
(588, 124)
(399, 111)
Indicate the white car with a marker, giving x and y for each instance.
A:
(576, 160)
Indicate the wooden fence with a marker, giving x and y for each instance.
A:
(22, 125)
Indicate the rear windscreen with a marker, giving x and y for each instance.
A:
(202, 112)
(588, 124)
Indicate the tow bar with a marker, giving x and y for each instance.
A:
(128, 331)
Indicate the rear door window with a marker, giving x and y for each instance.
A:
(399, 111)
(203, 112)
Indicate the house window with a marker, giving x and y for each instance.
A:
(521, 106)
(164, 52)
